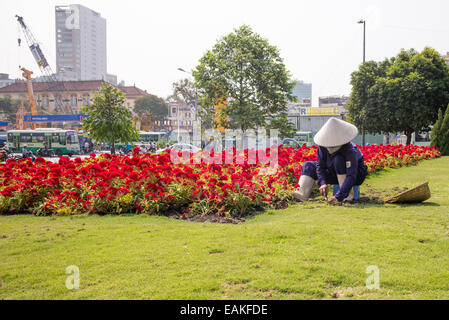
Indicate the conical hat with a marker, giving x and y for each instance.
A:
(335, 132)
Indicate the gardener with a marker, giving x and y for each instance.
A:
(339, 161)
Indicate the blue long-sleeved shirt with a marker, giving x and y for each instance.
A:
(353, 161)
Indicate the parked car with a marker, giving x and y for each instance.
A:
(179, 147)
(291, 143)
(226, 144)
(304, 137)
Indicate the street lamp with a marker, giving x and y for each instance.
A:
(195, 111)
(196, 99)
(364, 36)
(364, 44)
(196, 96)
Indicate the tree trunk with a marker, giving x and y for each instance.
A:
(363, 137)
(113, 148)
(409, 137)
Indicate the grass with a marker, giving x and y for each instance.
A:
(308, 251)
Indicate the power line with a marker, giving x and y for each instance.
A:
(416, 29)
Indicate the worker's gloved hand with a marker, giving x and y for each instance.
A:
(324, 190)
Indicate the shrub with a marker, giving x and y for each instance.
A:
(440, 132)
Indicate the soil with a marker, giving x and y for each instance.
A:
(371, 195)
(281, 205)
(368, 195)
(209, 218)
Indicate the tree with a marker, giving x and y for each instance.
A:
(406, 95)
(281, 123)
(151, 104)
(246, 73)
(109, 120)
(435, 137)
(440, 132)
(361, 81)
(185, 91)
(9, 108)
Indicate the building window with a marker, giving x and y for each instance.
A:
(45, 101)
(73, 102)
(86, 100)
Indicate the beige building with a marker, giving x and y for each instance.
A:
(67, 97)
(180, 115)
(446, 58)
(132, 94)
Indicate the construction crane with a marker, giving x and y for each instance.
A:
(42, 62)
(27, 75)
(20, 117)
(36, 50)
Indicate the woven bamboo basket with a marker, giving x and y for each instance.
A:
(417, 194)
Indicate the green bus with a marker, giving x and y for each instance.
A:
(62, 142)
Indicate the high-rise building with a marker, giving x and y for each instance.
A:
(333, 101)
(80, 44)
(4, 80)
(303, 91)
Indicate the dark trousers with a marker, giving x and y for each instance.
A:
(338, 166)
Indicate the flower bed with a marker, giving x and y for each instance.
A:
(152, 184)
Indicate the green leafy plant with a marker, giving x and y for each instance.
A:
(440, 132)
(245, 75)
(401, 94)
(109, 120)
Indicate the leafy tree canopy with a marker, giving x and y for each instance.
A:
(185, 91)
(152, 104)
(9, 108)
(109, 120)
(402, 94)
(246, 73)
(440, 132)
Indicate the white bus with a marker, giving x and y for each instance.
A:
(145, 139)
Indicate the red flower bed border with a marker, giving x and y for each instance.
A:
(152, 184)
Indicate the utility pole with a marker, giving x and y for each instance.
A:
(364, 46)
(195, 111)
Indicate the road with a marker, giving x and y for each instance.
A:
(56, 159)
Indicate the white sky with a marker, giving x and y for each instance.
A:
(320, 41)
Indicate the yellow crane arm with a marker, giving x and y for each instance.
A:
(27, 75)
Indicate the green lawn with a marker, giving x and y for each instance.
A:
(308, 251)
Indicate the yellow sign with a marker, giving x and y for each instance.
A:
(329, 111)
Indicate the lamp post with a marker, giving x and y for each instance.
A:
(364, 46)
(364, 36)
(196, 95)
(182, 70)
